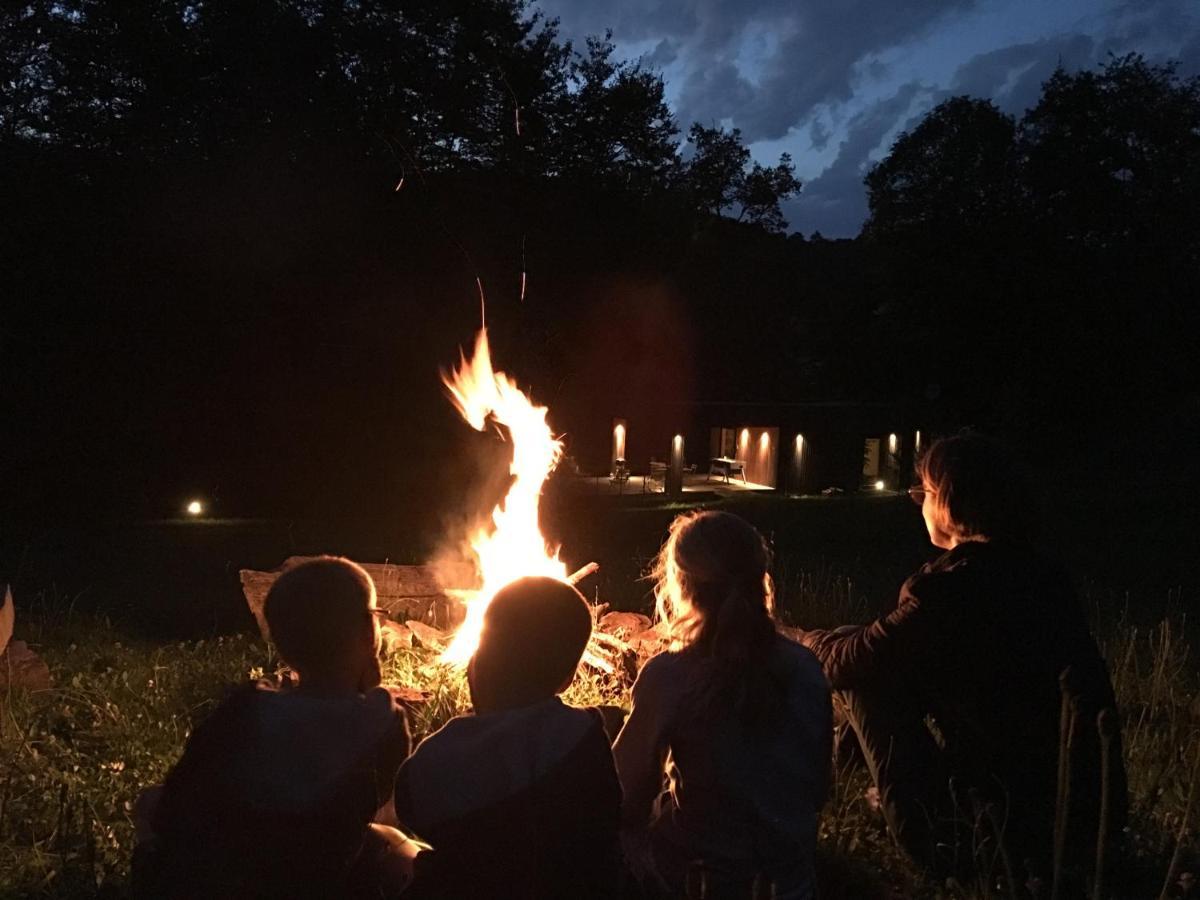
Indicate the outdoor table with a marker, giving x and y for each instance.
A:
(723, 465)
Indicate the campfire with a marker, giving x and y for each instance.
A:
(514, 547)
(446, 618)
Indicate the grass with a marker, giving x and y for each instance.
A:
(77, 755)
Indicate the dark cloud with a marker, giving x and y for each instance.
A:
(815, 49)
(834, 203)
(664, 53)
(1012, 76)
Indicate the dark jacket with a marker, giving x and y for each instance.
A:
(274, 794)
(979, 639)
(522, 803)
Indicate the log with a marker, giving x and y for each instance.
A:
(405, 592)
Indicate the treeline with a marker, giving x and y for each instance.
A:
(239, 240)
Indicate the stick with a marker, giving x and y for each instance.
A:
(1106, 724)
(590, 569)
(1066, 734)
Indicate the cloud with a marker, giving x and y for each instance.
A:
(808, 52)
(1012, 76)
(819, 134)
(834, 203)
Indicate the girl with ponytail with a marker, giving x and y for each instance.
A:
(733, 722)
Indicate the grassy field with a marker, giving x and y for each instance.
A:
(127, 690)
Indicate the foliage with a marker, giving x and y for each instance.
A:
(717, 178)
(954, 171)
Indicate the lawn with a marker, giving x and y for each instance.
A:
(127, 690)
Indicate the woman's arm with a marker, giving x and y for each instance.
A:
(640, 750)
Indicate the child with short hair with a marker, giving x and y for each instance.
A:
(520, 799)
(276, 791)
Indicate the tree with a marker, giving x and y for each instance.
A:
(1112, 157)
(617, 128)
(717, 179)
(954, 173)
(761, 191)
(716, 168)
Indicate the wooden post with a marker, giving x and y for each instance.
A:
(675, 467)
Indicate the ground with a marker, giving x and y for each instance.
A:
(143, 626)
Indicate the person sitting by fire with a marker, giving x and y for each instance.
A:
(955, 694)
(520, 799)
(276, 791)
(743, 716)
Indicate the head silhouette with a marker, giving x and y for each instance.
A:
(321, 618)
(534, 632)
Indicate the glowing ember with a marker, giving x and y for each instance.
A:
(514, 546)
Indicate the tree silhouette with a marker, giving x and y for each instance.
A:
(955, 171)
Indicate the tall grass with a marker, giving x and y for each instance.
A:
(73, 758)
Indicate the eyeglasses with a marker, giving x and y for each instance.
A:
(917, 492)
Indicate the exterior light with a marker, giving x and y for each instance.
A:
(745, 436)
(195, 508)
(764, 440)
(799, 442)
(891, 443)
(879, 485)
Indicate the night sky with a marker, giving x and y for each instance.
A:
(833, 83)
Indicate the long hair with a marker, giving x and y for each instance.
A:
(714, 598)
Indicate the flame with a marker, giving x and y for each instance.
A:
(514, 546)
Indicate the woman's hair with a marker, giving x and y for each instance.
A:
(978, 490)
(714, 597)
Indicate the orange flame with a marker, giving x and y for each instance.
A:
(514, 546)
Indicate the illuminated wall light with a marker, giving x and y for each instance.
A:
(195, 508)
(677, 442)
(891, 443)
(879, 485)
(799, 443)
(917, 441)
(764, 440)
(744, 438)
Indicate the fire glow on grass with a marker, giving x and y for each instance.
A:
(514, 546)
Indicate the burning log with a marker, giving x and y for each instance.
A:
(408, 593)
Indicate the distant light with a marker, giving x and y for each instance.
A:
(678, 441)
(195, 508)
(917, 442)
(745, 435)
(764, 440)
(891, 443)
(799, 442)
(879, 485)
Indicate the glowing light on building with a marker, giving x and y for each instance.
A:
(879, 485)
(195, 508)
(917, 442)
(892, 443)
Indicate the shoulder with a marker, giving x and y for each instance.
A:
(667, 672)
(799, 659)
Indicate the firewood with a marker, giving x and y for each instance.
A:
(405, 592)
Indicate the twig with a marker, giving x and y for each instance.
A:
(1106, 724)
(1066, 736)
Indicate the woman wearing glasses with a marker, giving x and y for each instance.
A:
(955, 695)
